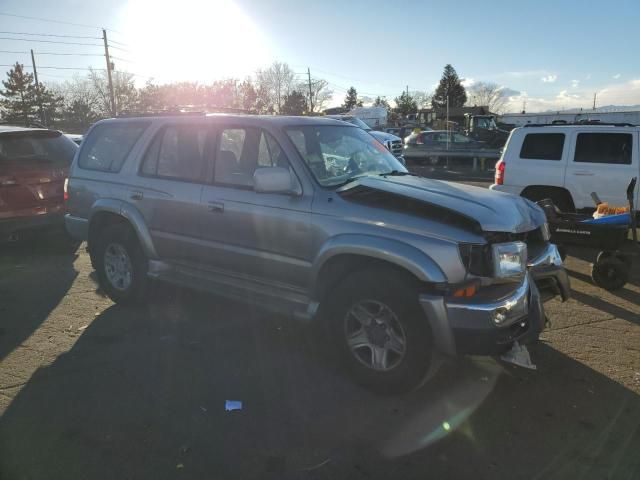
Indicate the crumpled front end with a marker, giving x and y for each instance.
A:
(491, 321)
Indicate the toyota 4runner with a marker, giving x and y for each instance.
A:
(313, 217)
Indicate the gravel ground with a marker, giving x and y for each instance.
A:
(89, 389)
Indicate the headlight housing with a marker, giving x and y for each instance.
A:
(509, 259)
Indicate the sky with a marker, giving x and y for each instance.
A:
(547, 55)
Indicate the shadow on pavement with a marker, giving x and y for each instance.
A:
(34, 277)
(142, 395)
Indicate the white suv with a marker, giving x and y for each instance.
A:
(568, 162)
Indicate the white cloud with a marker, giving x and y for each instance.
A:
(575, 83)
(621, 93)
(588, 77)
(616, 76)
(467, 82)
(549, 78)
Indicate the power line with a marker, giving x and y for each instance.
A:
(57, 53)
(50, 20)
(52, 67)
(48, 35)
(118, 43)
(49, 41)
(118, 48)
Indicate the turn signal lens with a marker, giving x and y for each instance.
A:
(468, 291)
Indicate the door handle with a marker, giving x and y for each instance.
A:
(216, 207)
(584, 174)
(136, 195)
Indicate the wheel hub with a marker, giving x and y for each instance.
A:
(374, 335)
(117, 266)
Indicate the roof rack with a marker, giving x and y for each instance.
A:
(583, 123)
(186, 111)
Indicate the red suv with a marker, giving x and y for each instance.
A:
(34, 164)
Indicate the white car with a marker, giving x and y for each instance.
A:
(568, 162)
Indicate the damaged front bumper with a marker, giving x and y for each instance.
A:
(490, 322)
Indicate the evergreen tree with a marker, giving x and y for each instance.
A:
(20, 96)
(381, 102)
(351, 100)
(294, 104)
(449, 85)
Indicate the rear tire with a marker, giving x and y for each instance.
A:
(387, 347)
(610, 273)
(560, 198)
(120, 264)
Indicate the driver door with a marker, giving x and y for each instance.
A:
(258, 236)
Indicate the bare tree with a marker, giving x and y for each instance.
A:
(488, 94)
(125, 92)
(422, 99)
(275, 82)
(320, 94)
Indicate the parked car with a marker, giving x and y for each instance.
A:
(34, 164)
(434, 145)
(392, 142)
(400, 268)
(567, 162)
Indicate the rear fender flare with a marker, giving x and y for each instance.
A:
(133, 217)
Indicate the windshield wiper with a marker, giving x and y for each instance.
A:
(397, 173)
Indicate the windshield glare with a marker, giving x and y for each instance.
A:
(359, 123)
(337, 154)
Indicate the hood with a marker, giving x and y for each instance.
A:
(492, 211)
(383, 136)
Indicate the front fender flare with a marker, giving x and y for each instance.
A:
(398, 253)
(133, 216)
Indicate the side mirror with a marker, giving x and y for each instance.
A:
(276, 180)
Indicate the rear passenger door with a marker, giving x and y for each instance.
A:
(169, 187)
(536, 158)
(603, 162)
(258, 236)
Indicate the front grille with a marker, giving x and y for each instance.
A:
(396, 148)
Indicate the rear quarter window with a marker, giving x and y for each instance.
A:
(109, 144)
(611, 148)
(542, 146)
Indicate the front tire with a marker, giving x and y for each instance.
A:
(382, 332)
(121, 265)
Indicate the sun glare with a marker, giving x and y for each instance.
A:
(192, 40)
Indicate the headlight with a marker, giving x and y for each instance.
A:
(509, 259)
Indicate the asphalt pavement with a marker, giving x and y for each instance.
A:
(89, 389)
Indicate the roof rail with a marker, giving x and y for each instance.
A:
(161, 113)
(583, 123)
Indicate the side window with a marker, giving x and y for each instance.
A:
(178, 152)
(242, 151)
(109, 144)
(542, 146)
(612, 148)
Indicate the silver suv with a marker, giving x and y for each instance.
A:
(313, 217)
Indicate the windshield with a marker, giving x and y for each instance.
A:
(358, 123)
(335, 154)
(41, 146)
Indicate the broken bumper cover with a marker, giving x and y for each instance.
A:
(483, 326)
(549, 274)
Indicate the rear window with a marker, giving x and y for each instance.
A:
(542, 146)
(612, 148)
(46, 147)
(109, 144)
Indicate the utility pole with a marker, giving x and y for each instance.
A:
(310, 91)
(109, 68)
(594, 98)
(35, 76)
(407, 91)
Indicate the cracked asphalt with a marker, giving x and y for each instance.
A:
(90, 390)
